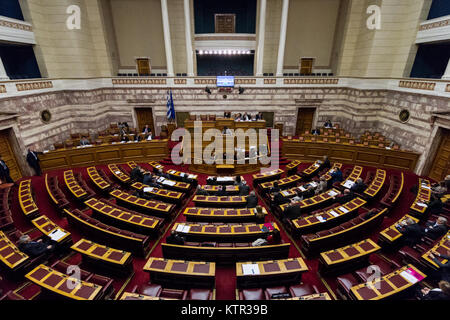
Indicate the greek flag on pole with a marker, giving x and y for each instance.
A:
(170, 107)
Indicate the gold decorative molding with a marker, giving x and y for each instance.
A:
(434, 25)
(245, 81)
(15, 25)
(270, 81)
(311, 81)
(34, 85)
(139, 81)
(417, 85)
(204, 81)
(2, 88)
(179, 81)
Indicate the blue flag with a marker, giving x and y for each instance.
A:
(170, 107)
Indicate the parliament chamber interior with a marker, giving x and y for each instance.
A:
(251, 150)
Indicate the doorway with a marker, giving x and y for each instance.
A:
(305, 118)
(441, 164)
(144, 116)
(8, 155)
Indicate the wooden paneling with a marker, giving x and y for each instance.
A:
(143, 66)
(145, 116)
(305, 117)
(352, 154)
(441, 163)
(8, 155)
(104, 154)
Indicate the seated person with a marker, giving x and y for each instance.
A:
(138, 137)
(344, 197)
(84, 141)
(336, 176)
(226, 130)
(201, 192)
(259, 213)
(34, 248)
(292, 211)
(222, 192)
(227, 115)
(146, 129)
(175, 238)
(325, 163)
(435, 205)
(322, 187)
(161, 173)
(371, 213)
(137, 174)
(245, 117)
(439, 189)
(309, 192)
(444, 268)
(259, 116)
(124, 138)
(328, 124)
(149, 136)
(238, 117)
(298, 197)
(279, 199)
(238, 181)
(149, 180)
(440, 293)
(211, 181)
(274, 237)
(315, 131)
(275, 188)
(252, 200)
(412, 233)
(436, 229)
(359, 186)
(244, 189)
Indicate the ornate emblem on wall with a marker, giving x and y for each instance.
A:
(311, 81)
(34, 85)
(2, 89)
(417, 85)
(46, 116)
(139, 81)
(404, 116)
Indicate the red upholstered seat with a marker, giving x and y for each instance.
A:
(150, 289)
(242, 244)
(62, 267)
(269, 292)
(252, 294)
(10, 295)
(345, 282)
(303, 289)
(364, 273)
(410, 254)
(173, 294)
(199, 294)
(225, 244)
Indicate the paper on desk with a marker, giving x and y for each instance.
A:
(191, 176)
(420, 204)
(313, 184)
(332, 193)
(334, 213)
(169, 182)
(148, 189)
(425, 187)
(321, 219)
(301, 188)
(343, 209)
(117, 172)
(349, 184)
(408, 277)
(225, 179)
(285, 193)
(57, 234)
(250, 268)
(316, 165)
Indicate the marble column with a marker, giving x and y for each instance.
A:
(261, 37)
(282, 43)
(187, 33)
(167, 42)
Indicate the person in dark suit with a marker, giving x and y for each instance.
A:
(175, 238)
(222, 192)
(441, 293)
(252, 200)
(444, 268)
(328, 124)
(336, 176)
(308, 193)
(146, 130)
(275, 188)
(435, 229)
(33, 161)
(345, 197)
(315, 131)
(325, 163)
(211, 181)
(33, 248)
(137, 174)
(292, 211)
(244, 189)
(412, 233)
(435, 205)
(201, 192)
(279, 199)
(359, 186)
(4, 172)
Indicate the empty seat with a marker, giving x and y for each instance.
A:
(303, 289)
(252, 294)
(199, 294)
(150, 289)
(269, 292)
(345, 283)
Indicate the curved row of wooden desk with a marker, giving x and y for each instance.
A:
(221, 215)
(26, 199)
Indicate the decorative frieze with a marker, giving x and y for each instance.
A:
(434, 25)
(311, 81)
(179, 81)
(417, 85)
(270, 81)
(15, 25)
(139, 81)
(34, 85)
(204, 81)
(245, 81)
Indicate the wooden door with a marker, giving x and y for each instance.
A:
(441, 163)
(143, 66)
(8, 155)
(145, 116)
(306, 65)
(305, 117)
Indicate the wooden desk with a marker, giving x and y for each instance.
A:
(329, 218)
(441, 247)
(178, 175)
(103, 257)
(292, 166)
(214, 201)
(282, 183)
(313, 202)
(174, 185)
(48, 227)
(156, 165)
(418, 207)
(272, 272)
(350, 154)
(58, 283)
(267, 176)
(391, 284)
(104, 154)
(225, 232)
(347, 258)
(160, 209)
(137, 296)
(26, 200)
(353, 176)
(11, 257)
(77, 191)
(312, 169)
(331, 170)
(161, 194)
(225, 255)
(223, 180)
(122, 218)
(119, 174)
(389, 235)
(220, 215)
(183, 274)
(374, 188)
(97, 179)
(231, 190)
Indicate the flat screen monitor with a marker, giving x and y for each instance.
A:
(225, 81)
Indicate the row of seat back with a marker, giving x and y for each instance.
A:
(6, 220)
(158, 291)
(55, 193)
(343, 234)
(298, 290)
(394, 191)
(108, 235)
(79, 178)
